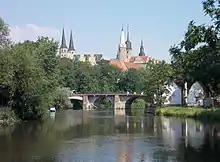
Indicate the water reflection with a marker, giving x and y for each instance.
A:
(104, 137)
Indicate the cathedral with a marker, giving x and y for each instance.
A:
(124, 58)
(70, 51)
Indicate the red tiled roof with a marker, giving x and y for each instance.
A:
(119, 64)
(131, 65)
(124, 65)
(143, 59)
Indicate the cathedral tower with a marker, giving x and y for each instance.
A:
(71, 48)
(142, 53)
(63, 47)
(122, 52)
(128, 45)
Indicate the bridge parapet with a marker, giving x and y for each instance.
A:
(106, 94)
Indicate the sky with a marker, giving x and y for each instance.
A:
(96, 24)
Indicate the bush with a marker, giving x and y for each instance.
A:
(61, 98)
(8, 117)
(138, 104)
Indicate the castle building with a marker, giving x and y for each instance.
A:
(70, 51)
(124, 58)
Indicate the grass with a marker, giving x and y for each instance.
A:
(196, 113)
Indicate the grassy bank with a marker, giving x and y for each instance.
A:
(196, 113)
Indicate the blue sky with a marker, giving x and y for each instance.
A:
(96, 24)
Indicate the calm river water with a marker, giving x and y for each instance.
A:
(102, 136)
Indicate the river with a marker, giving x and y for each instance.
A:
(103, 136)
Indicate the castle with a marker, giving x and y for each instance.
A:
(70, 52)
(124, 59)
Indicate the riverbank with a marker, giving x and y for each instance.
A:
(196, 113)
(7, 117)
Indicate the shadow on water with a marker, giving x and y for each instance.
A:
(105, 136)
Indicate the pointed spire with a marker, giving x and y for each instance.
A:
(122, 39)
(128, 36)
(142, 53)
(128, 42)
(63, 41)
(71, 44)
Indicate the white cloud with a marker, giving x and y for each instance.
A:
(31, 32)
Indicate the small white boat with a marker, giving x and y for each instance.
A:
(52, 109)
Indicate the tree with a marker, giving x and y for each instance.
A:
(156, 76)
(29, 73)
(211, 8)
(33, 80)
(109, 76)
(61, 100)
(67, 73)
(6, 63)
(130, 81)
(4, 34)
(197, 57)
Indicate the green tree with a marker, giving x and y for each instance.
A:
(197, 57)
(61, 98)
(67, 73)
(6, 63)
(155, 76)
(131, 81)
(25, 72)
(85, 78)
(109, 76)
(4, 33)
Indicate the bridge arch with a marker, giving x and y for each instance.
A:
(101, 101)
(77, 102)
(128, 103)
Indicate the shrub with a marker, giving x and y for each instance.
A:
(8, 117)
(61, 98)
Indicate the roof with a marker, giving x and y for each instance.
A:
(131, 65)
(144, 59)
(124, 65)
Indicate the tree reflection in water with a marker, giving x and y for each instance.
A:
(70, 134)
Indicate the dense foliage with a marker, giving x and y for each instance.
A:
(197, 56)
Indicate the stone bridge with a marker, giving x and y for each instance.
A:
(118, 100)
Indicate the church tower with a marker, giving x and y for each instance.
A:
(128, 45)
(142, 53)
(71, 49)
(122, 52)
(63, 47)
